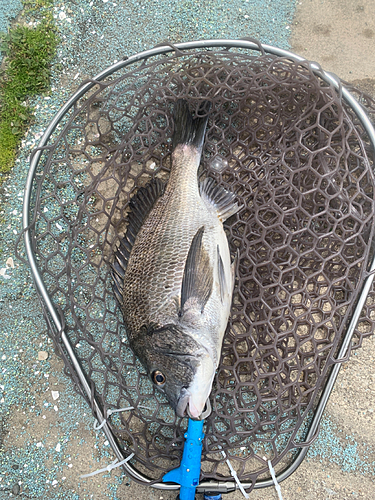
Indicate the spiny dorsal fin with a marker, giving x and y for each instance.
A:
(198, 274)
(222, 200)
(140, 205)
(189, 130)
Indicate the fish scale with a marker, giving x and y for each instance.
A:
(153, 266)
(162, 246)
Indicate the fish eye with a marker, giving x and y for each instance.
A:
(158, 378)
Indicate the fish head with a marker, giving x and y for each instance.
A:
(179, 367)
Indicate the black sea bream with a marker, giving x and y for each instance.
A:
(173, 275)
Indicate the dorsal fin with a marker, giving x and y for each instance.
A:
(140, 206)
(142, 203)
(222, 200)
(198, 274)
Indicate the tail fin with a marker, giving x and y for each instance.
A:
(189, 130)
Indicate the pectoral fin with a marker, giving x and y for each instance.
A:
(198, 274)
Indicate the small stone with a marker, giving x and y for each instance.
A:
(58, 447)
(42, 355)
(10, 263)
(55, 395)
(3, 273)
(16, 489)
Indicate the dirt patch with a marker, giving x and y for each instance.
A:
(339, 34)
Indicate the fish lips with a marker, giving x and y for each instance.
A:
(182, 403)
(185, 407)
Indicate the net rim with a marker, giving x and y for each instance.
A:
(251, 45)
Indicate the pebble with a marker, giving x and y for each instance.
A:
(16, 489)
(42, 355)
(3, 273)
(55, 395)
(10, 262)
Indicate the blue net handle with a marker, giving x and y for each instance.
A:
(187, 474)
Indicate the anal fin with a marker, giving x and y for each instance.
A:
(222, 200)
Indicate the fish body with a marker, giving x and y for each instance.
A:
(173, 274)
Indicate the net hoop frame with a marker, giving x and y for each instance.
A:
(328, 77)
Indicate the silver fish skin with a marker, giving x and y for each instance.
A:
(173, 273)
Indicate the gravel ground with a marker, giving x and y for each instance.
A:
(46, 430)
(8, 11)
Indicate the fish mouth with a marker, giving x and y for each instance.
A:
(187, 408)
(181, 408)
(199, 415)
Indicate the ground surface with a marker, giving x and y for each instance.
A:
(46, 434)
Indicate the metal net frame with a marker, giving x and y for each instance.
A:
(297, 150)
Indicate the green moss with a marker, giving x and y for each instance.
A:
(30, 52)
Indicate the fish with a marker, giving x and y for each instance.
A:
(172, 272)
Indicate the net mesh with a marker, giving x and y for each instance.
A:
(296, 156)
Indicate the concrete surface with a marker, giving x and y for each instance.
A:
(339, 34)
(46, 443)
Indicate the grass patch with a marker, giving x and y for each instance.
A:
(30, 52)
